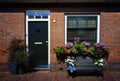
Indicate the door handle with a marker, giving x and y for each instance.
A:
(46, 41)
(38, 43)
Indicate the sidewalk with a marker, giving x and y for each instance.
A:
(55, 76)
(60, 76)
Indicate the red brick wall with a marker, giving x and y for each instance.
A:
(11, 24)
(57, 31)
(110, 33)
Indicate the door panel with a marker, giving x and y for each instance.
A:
(38, 45)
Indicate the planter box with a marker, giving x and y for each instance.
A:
(85, 66)
(84, 63)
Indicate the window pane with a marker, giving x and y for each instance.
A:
(70, 40)
(31, 17)
(87, 34)
(71, 33)
(91, 21)
(82, 22)
(38, 17)
(45, 17)
(90, 34)
(82, 34)
(72, 23)
(38, 14)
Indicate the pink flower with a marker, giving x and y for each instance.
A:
(100, 44)
(86, 43)
(69, 44)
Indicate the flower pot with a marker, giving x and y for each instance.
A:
(12, 67)
(17, 68)
(67, 51)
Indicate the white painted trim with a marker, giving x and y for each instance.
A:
(65, 28)
(82, 15)
(27, 44)
(38, 19)
(49, 41)
(98, 26)
(27, 33)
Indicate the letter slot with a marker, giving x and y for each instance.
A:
(38, 43)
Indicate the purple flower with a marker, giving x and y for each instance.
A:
(103, 44)
(69, 44)
(97, 44)
(100, 44)
(86, 43)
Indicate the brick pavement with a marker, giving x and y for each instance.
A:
(59, 75)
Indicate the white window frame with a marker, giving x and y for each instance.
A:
(98, 26)
(27, 44)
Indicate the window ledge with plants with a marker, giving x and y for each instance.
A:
(83, 54)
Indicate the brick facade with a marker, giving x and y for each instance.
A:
(110, 33)
(13, 24)
(57, 31)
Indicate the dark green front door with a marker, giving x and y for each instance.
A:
(38, 44)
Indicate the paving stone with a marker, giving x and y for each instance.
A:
(60, 75)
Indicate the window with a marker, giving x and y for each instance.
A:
(38, 14)
(82, 27)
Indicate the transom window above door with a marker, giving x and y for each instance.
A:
(82, 28)
(37, 14)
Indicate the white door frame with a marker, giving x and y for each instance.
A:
(27, 44)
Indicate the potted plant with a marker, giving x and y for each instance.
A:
(101, 51)
(18, 57)
(59, 52)
(68, 47)
(21, 60)
(84, 49)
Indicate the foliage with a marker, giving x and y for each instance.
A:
(92, 48)
(99, 63)
(101, 50)
(74, 50)
(20, 57)
(17, 51)
(15, 45)
(79, 47)
(98, 52)
(70, 64)
(59, 50)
